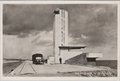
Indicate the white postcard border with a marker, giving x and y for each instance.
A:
(57, 78)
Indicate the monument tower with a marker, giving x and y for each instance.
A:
(61, 48)
(60, 31)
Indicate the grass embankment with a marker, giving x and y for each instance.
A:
(97, 73)
(8, 67)
(108, 63)
(110, 67)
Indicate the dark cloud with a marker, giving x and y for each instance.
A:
(26, 18)
(93, 20)
(98, 22)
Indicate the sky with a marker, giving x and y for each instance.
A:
(28, 29)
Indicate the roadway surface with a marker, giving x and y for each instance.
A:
(27, 69)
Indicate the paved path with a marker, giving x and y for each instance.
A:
(28, 68)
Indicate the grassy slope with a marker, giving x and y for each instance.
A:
(108, 63)
(7, 67)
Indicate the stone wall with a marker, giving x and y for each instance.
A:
(80, 60)
(77, 60)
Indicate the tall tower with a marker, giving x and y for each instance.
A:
(60, 31)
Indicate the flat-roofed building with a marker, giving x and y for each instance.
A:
(62, 51)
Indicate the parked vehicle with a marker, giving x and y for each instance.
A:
(37, 58)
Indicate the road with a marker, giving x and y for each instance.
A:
(27, 68)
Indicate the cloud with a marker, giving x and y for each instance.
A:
(25, 19)
(14, 47)
(95, 22)
(43, 38)
(98, 22)
(83, 36)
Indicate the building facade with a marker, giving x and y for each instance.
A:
(61, 47)
(60, 31)
(62, 51)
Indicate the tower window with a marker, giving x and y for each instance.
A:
(56, 12)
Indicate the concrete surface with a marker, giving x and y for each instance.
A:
(28, 68)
